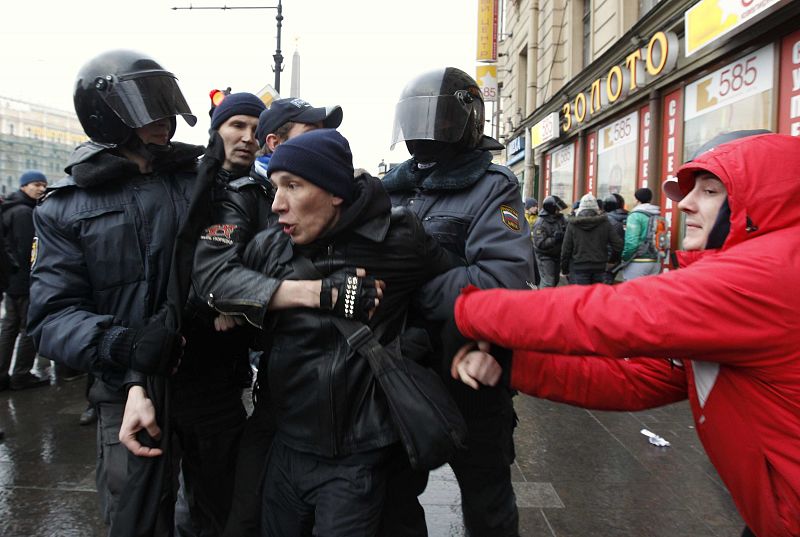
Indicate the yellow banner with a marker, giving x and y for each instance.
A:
(709, 20)
(487, 31)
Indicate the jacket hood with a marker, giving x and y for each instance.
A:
(18, 197)
(758, 190)
(589, 221)
(93, 164)
(648, 208)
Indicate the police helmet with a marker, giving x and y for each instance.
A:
(445, 105)
(121, 90)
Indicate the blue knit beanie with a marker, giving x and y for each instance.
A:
(31, 176)
(322, 157)
(236, 104)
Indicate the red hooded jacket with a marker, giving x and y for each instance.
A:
(723, 331)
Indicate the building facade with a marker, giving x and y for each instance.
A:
(34, 137)
(609, 96)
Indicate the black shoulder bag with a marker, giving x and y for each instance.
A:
(426, 417)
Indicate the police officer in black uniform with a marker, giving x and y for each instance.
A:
(99, 285)
(474, 208)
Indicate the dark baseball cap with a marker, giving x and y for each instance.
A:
(297, 110)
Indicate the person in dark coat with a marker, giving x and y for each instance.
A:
(548, 235)
(17, 223)
(585, 252)
(616, 217)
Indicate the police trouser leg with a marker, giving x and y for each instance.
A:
(483, 471)
(136, 493)
(403, 516)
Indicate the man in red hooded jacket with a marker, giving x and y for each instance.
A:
(724, 330)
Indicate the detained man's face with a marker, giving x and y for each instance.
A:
(156, 133)
(304, 210)
(702, 205)
(238, 133)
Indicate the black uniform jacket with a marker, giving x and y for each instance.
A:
(105, 241)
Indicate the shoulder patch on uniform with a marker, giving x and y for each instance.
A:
(510, 217)
(219, 233)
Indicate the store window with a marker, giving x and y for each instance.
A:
(737, 96)
(617, 157)
(562, 174)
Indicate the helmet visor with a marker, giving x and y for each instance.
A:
(144, 98)
(442, 118)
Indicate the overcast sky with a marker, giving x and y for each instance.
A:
(355, 53)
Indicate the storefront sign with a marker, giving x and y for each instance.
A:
(591, 160)
(487, 31)
(545, 131)
(749, 75)
(644, 146)
(789, 104)
(660, 56)
(547, 174)
(709, 20)
(671, 158)
(486, 76)
(515, 150)
(623, 131)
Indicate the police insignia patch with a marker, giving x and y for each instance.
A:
(510, 217)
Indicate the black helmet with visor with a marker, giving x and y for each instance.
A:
(444, 105)
(122, 90)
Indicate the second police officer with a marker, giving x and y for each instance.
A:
(474, 209)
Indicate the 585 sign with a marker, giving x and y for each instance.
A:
(749, 75)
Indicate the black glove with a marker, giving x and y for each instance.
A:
(152, 349)
(356, 298)
(558, 236)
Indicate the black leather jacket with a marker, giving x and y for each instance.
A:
(240, 209)
(105, 242)
(324, 395)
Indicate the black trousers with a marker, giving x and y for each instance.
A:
(209, 420)
(251, 464)
(13, 332)
(483, 471)
(304, 493)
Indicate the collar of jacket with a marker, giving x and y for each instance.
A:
(93, 164)
(460, 172)
(368, 216)
(18, 197)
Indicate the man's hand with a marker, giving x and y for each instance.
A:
(364, 296)
(139, 414)
(223, 323)
(475, 366)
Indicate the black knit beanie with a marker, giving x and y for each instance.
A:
(322, 157)
(236, 104)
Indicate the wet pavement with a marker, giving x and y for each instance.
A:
(578, 473)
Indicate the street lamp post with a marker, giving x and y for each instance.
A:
(277, 57)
